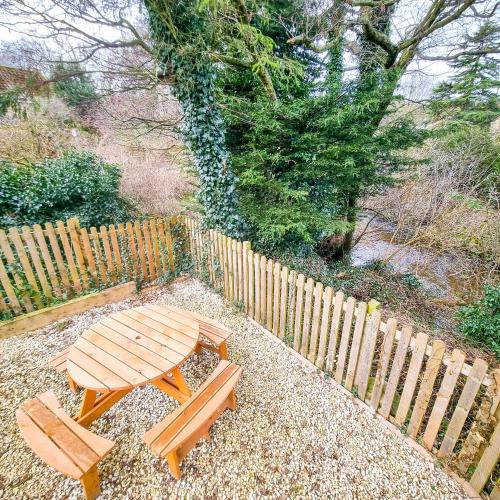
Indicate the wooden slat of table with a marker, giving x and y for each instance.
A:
(174, 317)
(164, 346)
(161, 336)
(96, 376)
(126, 351)
(134, 347)
(161, 324)
(120, 368)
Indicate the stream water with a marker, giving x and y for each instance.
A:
(439, 273)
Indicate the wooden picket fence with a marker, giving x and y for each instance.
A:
(40, 266)
(449, 406)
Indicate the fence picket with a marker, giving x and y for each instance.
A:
(318, 302)
(276, 298)
(337, 311)
(35, 259)
(246, 275)
(9, 289)
(116, 250)
(108, 254)
(77, 249)
(357, 338)
(11, 262)
(122, 243)
(325, 323)
(47, 260)
(397, 366)
(416, 361)
(299, 305)
(240, 276)
(236, 270)
(148, 249)
(443, 398)
(283, 302)
(383, 363)
(263, 288)
(488, 461)
(156, 246)
(469, 392)
(363, 369)
(269, 294)
(25, 263)
(56, 252)
(89, 257)
(425, 392)
(140, 250)
(344, 342)
(98, 255)
(292, 290)
(251, 285)
(75, 278)
(256, 268)
(306, 321)
(129, 229)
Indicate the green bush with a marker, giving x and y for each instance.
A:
(74, 185)
(481, 321)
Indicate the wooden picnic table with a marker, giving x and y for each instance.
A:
(128, 349)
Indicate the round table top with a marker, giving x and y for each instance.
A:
(131, 348)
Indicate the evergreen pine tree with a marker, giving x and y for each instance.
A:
(472, 93)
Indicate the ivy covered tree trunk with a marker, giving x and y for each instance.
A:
(203, 127)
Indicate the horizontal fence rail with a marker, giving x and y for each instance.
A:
(449, 406)
(41, 266)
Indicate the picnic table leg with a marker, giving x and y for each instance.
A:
(89, 398)
(93, 409)
(180, 382)
(72, 384)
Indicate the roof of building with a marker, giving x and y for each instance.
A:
(13, 77)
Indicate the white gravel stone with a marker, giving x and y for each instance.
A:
(293, 435)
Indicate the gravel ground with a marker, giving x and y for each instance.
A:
(292, 435)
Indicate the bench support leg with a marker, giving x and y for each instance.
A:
(93, 408)
(72, 385)
(223, 351)
(180, 382)
(90, 484)
(231, 400)
(173, 464)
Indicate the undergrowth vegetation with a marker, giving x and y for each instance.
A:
(480, 321)
(72, 185)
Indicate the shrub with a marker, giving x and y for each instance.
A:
(481, 321)
(74, 185)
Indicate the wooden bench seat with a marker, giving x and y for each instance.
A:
(61, 443)
(179, 432)
(58, 362)
(213, 330)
